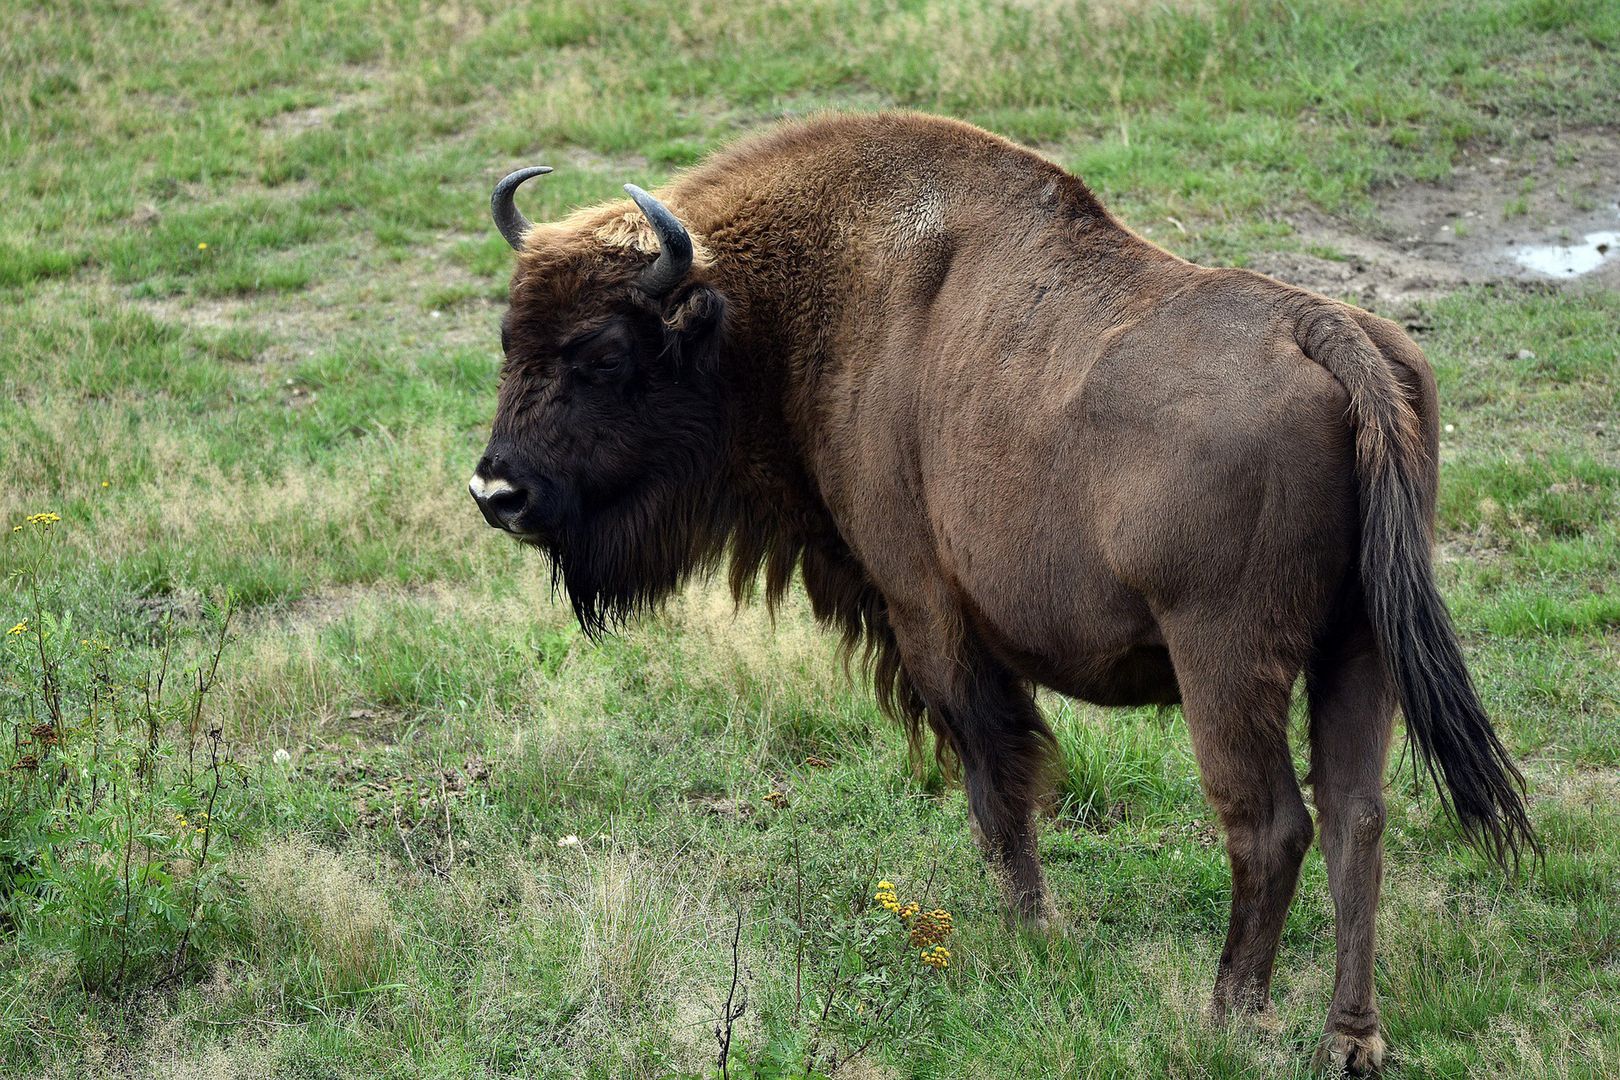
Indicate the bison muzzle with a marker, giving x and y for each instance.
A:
(1006, 442)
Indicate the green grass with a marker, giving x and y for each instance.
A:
(289, 414)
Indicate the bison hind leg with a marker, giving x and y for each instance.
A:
(1352, 703)
(1235, 691)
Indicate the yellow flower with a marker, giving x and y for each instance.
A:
(46, 520)
(106, 483)
(203, 246)
(20, 628)
(931, 928)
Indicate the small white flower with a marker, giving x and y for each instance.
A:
(568, 841)
(1450, 428)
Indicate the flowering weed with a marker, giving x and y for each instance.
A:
(871, 971)
(114, 794)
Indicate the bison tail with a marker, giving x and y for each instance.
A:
(1446, 725)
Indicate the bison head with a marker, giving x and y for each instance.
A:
(609, 432)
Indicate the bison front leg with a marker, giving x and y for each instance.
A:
(989, 718)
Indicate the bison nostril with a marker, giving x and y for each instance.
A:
(507, 504)
(500, 501)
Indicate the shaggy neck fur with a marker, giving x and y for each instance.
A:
(806, 237)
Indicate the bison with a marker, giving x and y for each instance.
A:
(1009, 443)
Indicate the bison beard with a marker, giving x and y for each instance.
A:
(626, 558)
(629, 555)
(1006, 443)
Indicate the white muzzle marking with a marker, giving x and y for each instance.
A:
(486, 489)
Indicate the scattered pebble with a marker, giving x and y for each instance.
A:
(568, 841)
(1450, 428)
(1526, 354)
(281, 757)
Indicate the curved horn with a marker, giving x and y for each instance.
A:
(674, 246)
(507, 217)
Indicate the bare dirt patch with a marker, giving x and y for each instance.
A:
(306, 119)
(359, 293)
(205, 313)
(1422, 240)
(584, 159)
(361, 92)
(294, 326)
(318, 610)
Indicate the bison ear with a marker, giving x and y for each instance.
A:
(692, 328)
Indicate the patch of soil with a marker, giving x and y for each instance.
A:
(319, 609)
(583, 159)
(296, 120)
(294, 325)
(362, 93)
(383, 796)
(1422, 240)
(719, 805)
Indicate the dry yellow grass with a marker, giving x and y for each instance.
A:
(307, 901)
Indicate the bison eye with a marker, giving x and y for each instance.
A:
(609, 364)
(601, 356)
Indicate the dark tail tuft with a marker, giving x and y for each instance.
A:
(1446, 725)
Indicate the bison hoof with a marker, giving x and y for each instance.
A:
(1245, 1001)
(1031, 922)
(1339, 1054)
(1266, 1021)
(1035, 917)
(1260, 1015)
(1042, 923)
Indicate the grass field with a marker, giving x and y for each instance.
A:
(413, 824)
